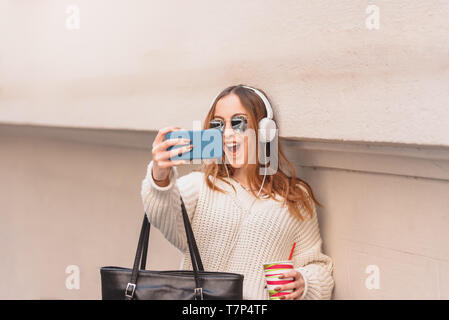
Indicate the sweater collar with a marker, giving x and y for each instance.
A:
(247, 195)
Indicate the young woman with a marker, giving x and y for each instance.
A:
(236, 229)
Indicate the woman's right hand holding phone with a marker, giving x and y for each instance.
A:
(161, 157)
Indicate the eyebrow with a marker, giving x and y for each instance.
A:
(235, 114)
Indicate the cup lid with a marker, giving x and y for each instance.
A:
(279, 262)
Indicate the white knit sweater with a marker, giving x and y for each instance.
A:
(232, 239)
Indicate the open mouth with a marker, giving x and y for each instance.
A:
(233, 147)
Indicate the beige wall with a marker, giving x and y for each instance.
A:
(72, 197)
(66, 203)
(317, 60)
(365, 113)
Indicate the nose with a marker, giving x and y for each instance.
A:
(228, 134)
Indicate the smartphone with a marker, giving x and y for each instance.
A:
(207, 144)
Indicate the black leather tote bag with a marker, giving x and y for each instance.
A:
(119, 283)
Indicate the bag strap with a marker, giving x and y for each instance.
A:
(194, 254)
(146, 241)
(193, 248)
(142, 249)
(131, 286)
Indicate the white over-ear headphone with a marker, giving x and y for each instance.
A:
(267, 126)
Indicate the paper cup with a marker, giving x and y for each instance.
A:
(272, 272)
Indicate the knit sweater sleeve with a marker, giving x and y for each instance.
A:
(163, 205)
(315, 267)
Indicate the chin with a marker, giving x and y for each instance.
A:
(237, 166)
(236, 163)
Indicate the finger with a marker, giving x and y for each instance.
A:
(292, 296)
(288, 286)
(178, 151)
(161, 134)
(168, 164)
(168, 155)
(163, 146)
(299, 293)
(291, 285)
(289, 274)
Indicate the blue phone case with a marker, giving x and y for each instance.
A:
(207, 144)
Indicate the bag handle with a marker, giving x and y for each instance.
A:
(193, 248)
(146, 240)
(142, 249)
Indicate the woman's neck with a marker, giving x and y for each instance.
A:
(240, 175)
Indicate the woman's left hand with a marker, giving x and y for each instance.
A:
(297, 285)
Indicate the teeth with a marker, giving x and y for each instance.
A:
(230, 145)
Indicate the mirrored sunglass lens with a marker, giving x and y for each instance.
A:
(239, 123)
(216, 124)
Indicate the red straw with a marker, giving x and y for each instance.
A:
(291, 253)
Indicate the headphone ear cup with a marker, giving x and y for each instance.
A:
(267, 130)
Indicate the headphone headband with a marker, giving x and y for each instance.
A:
(266, 125)
(265, 101)
(261, 95)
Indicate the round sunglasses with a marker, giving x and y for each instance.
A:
(239, 124)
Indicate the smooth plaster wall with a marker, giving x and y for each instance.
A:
(72, 203)
(150, 64)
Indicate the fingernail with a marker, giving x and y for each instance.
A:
(277, 289)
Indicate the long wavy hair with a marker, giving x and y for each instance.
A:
(295, 193)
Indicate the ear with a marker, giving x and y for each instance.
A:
(267, 130)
